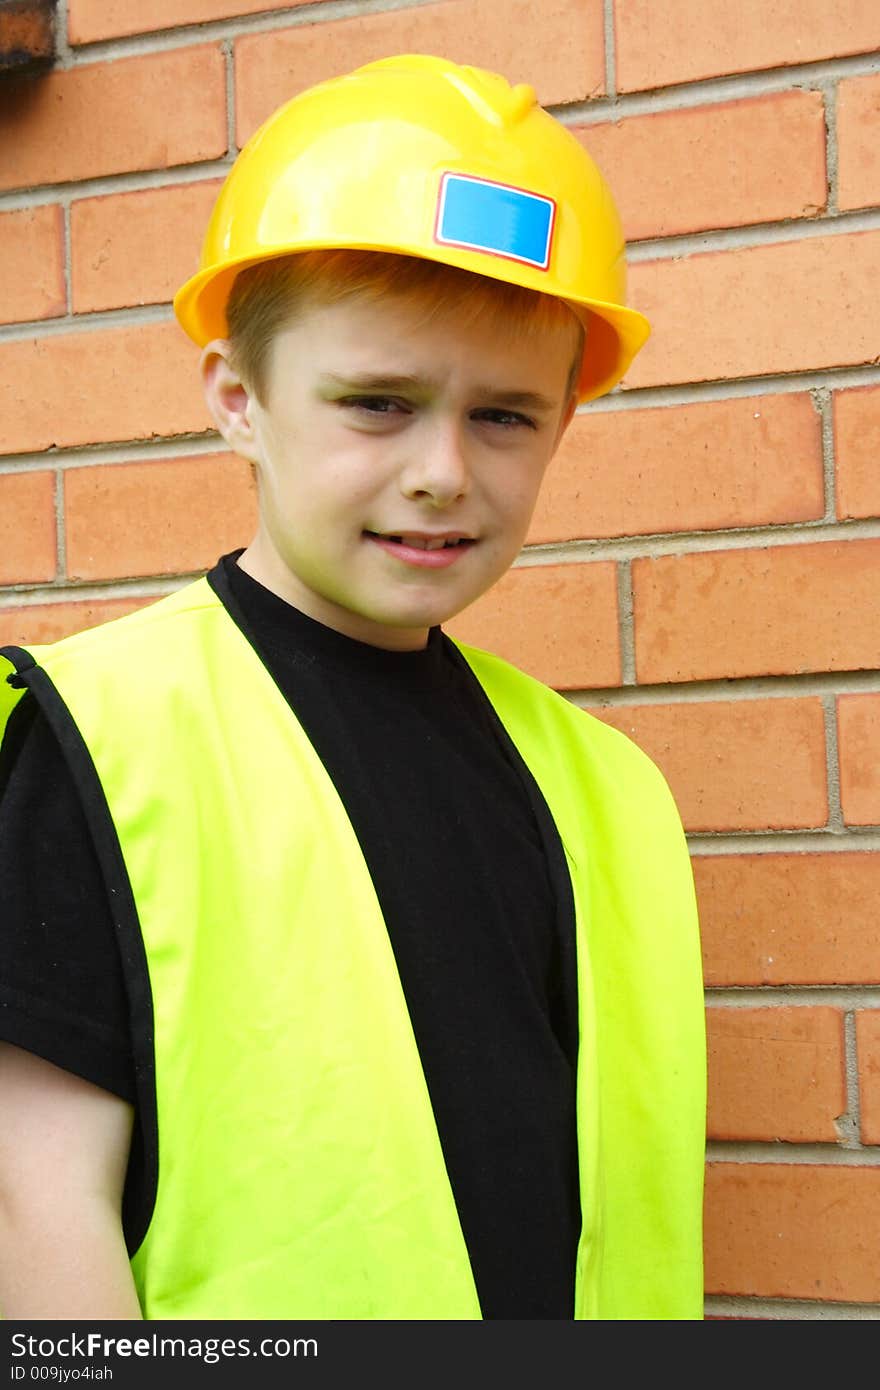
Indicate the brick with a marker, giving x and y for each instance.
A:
(868, 1051)
(173, 516)
(137, 248)
(759, 160)
(27, 528)
(92, 20)
(858, 724)
(744, 765)
(108, 384)
(789, 919)
(776, 1074)
(857, 449)
(780, 610)
(29, 624)
(148, 112)
(558, 622)
(27, 33)
(754, 461)
(780, 1230)
(858, 137)
(557, 47)
(790, 306)
(658, 42)
(32, 264)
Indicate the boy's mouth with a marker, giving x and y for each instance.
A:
(421, 542)
(422, 548)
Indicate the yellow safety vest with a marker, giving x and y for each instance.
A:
(300, 1174)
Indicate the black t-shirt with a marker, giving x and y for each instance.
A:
(473, 886)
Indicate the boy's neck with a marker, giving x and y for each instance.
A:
(261, 564)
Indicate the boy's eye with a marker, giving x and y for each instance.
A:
(508, 419)
(373, 405)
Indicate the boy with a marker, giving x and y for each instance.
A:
(380, 996)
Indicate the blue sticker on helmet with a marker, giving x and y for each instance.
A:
(483, 216)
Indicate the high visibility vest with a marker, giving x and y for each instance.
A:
(300, 1172)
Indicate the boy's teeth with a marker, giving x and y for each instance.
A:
(424, 542)
(420, 542)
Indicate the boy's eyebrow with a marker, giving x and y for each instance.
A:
(374, 381)
(524, 400)
(391, 382)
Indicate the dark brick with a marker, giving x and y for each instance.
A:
(27, 34)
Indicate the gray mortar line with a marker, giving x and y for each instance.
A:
(849, 1126)
(821, 397)
(754, 235)
(625, 624)
(610, 50)
(229, 55)
(829, 89)
(66, 257)
(67, 592)
(129, 317)
(137, 451)
(788, 1310)
(821, 684)
(831, 1154)
(63, 50)
(832, 763)
(843, 997)
(724, 690)
(858, 840)
(733, 388)
(60, 529)
(129, 181)
(669, 544)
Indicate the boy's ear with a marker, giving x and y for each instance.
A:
(228, 399)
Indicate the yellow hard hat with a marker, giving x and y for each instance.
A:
(422, 157)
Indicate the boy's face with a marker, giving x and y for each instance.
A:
(399, 459)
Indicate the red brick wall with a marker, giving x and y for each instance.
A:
(703, 567)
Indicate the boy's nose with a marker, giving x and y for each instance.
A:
(438, 470)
